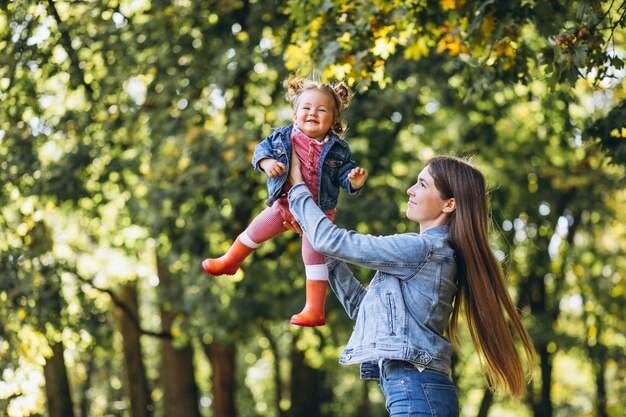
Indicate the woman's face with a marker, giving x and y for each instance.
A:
(425, 205)
(315, 113)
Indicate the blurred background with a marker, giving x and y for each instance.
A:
(126, 134)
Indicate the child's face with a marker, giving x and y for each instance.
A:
(315, 114)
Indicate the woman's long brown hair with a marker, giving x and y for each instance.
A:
(482, 286)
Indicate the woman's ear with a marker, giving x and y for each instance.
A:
(449, 205)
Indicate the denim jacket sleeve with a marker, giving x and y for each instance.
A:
(346, 287)
(345, 169)
(271, 147)
(261, 151)
(399, 254)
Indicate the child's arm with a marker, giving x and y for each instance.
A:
(357, 177)
(270, 153)
(351, 178)
(272, 167)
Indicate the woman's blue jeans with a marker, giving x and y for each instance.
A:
(411, 393)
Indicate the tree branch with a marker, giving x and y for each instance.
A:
(19, 47)
(66, 42)
(125, 309)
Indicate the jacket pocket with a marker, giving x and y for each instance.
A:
(391, 313)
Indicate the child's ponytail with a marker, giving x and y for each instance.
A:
(343, 94)
(295, 85)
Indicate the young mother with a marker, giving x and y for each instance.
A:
(420, 283)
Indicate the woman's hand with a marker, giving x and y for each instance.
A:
(295, 174)
(293, 226)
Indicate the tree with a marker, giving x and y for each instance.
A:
(126, 130)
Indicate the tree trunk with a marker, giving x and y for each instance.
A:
(84, 401)
(57, 385)
(222, 358)
(278, 382)
(136, 381)
(308, 390)
(598, 355)
(544, 409)
(601, 399)
(365, 408)
(485, 404)
(180, 392)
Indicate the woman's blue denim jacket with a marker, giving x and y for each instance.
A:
(405, 310)
(334, 166)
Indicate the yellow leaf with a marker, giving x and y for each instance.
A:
(451, 4)
(315, 26)
(618, 133)
(345, 38)
(296, 57)
(504, 48)
(488, 25)
(337, 71)
(228, 155)
(447, 4)
(451, 43)
(382, 31)
(384, 47)
(416, 50)
(617, 291)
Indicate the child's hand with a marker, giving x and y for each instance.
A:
(272, 167)
(357, 177)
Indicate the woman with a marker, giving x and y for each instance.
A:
(421, 281)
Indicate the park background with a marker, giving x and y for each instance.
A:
(126, 133)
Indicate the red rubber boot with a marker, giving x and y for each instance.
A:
(229, 263)
(313, 313)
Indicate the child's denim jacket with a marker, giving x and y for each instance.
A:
(334, 166)
(406, 308)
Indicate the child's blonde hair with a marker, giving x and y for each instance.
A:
(339, 92)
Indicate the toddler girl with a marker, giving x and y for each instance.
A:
(325, 164)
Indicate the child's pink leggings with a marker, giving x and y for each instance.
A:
(269, 223)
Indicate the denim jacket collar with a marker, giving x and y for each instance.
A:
(287, 130)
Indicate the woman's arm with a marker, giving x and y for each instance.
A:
(346, 287)
(396, 254)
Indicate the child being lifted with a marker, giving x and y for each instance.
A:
(316, 136)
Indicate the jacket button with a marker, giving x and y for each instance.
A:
(279, 152)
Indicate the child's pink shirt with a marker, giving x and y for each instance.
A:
(308, 151)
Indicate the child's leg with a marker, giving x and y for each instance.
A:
(267, 224)
(316, 284)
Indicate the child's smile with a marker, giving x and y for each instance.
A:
(314, 114)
